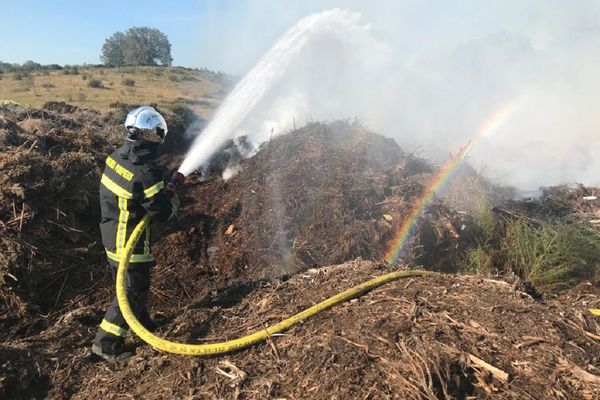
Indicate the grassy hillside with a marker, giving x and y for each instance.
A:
(97, 88)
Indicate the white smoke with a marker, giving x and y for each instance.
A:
(551, 136)
(299, 57)
(331, 66)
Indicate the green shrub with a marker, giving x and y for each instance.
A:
(21, 75)
(71, 70)
(120, 111)
(553, 255)
(95, 83)
(183, 115)
(129, 82)
(485, 220)
(191, 77)
(24, 85)
(480, 258)
(6, 102)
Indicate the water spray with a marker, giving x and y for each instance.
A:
(255, 87)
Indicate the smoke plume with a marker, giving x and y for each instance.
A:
(338, 64)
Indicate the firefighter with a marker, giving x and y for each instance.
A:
(132, 186)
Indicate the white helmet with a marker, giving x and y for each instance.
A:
(146, 124)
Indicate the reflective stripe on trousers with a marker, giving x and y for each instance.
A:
(112, 328)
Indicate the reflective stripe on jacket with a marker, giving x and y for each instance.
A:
(131, 186)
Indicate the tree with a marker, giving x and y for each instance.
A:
(113, 50)
(137, 46)
(31, 66)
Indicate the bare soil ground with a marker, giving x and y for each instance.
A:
(312, 214)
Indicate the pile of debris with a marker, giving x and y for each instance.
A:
(442, 336)
(245, 253)
(50, 163)
(51, 160)
(576, 204)
(321, 195)
(325, 194)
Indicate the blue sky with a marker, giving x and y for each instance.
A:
(230, 35)
(69, 32)
(72, 32)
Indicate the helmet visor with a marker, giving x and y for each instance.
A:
(156, 135)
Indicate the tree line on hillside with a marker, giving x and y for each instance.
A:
(136, 46)
(28, 66)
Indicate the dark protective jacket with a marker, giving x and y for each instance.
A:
(131, 186)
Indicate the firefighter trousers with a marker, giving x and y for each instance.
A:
(113, 327)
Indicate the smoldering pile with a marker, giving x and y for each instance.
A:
(320, 195)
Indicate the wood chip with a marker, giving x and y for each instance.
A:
(530, 341)
(233, 373)
(577, 371)
(577, 327)
(475, 324)
(496, 372)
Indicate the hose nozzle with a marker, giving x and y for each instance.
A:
(177, 179)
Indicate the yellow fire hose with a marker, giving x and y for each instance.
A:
(246, 341)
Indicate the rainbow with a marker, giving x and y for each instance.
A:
(444, 175)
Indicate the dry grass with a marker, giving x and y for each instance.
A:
(199, 90)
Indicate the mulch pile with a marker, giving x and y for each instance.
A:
(324, 194)
(247, 252)
(574, 204)
(443, 336)
(50, 161)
